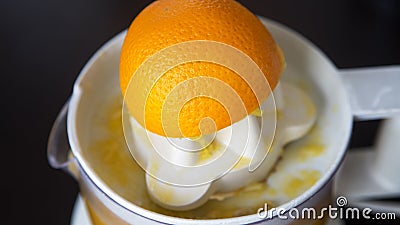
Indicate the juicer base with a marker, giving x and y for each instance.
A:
(80, 214)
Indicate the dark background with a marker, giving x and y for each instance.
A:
(44, 44)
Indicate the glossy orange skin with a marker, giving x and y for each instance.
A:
(167, 22)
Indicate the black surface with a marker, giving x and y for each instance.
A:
(44, 44)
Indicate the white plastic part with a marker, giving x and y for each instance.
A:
(374, 92)
(242, 140)
(386, 166)
(370, 176)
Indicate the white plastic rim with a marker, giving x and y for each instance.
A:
(288, 41)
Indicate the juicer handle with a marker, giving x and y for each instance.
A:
(58, 148)
(374, 92)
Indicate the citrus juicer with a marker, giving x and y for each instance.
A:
(352, 96)
(180, 177)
